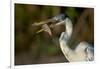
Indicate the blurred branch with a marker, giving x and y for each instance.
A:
(84, 28)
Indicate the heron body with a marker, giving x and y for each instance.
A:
(82, 52)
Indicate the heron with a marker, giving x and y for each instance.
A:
(82, 52)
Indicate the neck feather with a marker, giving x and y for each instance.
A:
(69, 27)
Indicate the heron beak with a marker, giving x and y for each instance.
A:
(42, 22)
(45, 26)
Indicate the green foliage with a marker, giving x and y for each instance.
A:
(72, 13)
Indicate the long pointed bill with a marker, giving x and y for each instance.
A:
(45, 26)
(41, 23)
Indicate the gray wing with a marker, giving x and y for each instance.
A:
(89, 53)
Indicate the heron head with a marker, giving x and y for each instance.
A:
(53, 23)
(58, 18)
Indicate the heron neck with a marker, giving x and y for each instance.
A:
(69, 27)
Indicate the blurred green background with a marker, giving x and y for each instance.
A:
(33, 48)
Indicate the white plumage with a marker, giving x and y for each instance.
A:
(82, 52)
